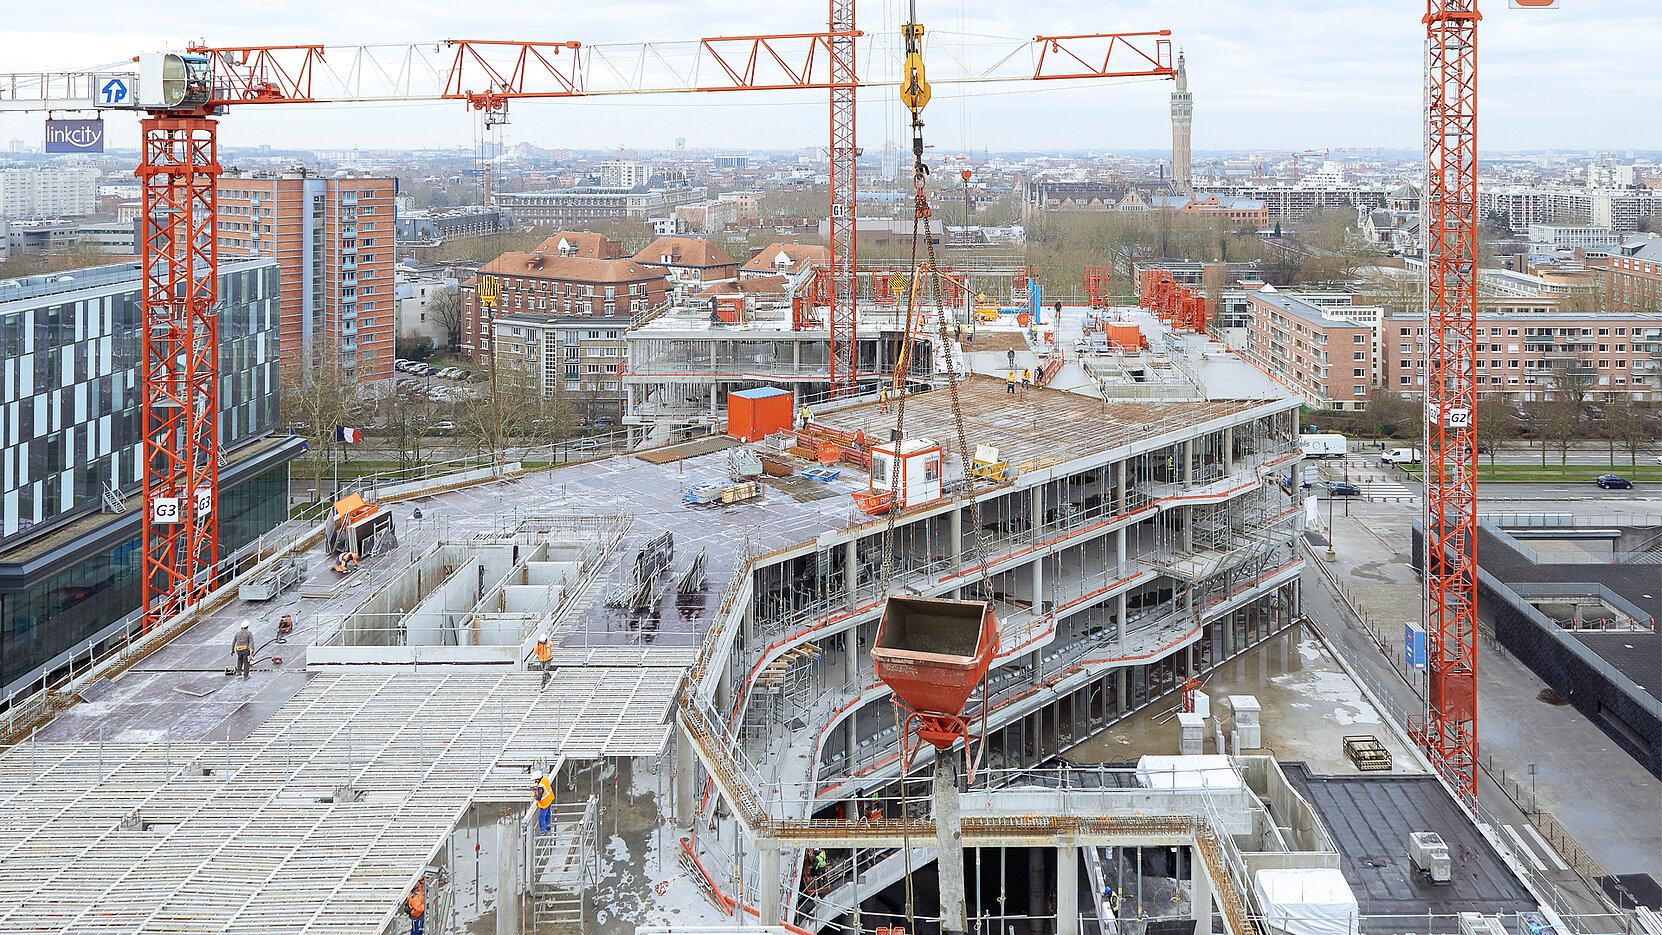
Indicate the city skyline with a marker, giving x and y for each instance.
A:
(1261, 76)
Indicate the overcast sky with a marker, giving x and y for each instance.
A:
(1266, 74)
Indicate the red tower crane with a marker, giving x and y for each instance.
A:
(1449, 732)
(181, 94)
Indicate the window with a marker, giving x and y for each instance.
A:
(1359, 372)
(1604, 365)
(1405, 379)
(1603, 332)
(1511, 332)
(1512, 365)
(1403, 332)
(1358, 355)
(1604, 348)
(1359, 391)
(1405, 349)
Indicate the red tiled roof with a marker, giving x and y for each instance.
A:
(763, 261)
(570, 268)
(585, 243)
(685, 251)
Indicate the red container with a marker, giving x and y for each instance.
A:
(1125, 335)
(932, 652)
(755, 414)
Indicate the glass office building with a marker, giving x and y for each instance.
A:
(69, 411)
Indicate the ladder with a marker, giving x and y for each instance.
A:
(562, 869)
(112, 499)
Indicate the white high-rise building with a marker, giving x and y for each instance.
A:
(624, 173)
(48, 192)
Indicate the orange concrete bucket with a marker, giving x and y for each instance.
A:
(932, 652)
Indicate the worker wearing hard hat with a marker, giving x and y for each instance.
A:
(545, 658)
(543, 797)
(1026, 378)
(883, 399)
(243, 648)
(806, 415)
(1010, 383)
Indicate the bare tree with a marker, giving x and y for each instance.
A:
(406, 420)
(446, 308)
(1630, 427)
(316, 398)
(1388, 410)
(1493, 425)
(1561, 424)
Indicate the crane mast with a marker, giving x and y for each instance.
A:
(1449, 732)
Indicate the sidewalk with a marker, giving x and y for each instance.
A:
(1581, 777)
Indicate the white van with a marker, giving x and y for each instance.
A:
(1402, 456)
(1323, 446)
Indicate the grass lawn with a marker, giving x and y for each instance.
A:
(1571, 473)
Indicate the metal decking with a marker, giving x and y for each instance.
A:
(319, 821)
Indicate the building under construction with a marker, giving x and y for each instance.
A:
(723, 749)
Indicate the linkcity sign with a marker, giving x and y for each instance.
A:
(74, 136)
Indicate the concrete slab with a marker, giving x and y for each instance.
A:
(1370, 819)
(1308, 706)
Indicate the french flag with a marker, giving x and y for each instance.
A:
(350, 436)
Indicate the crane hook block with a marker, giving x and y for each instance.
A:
(914, 89)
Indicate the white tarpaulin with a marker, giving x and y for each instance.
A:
(1317, 901)
(1188, 773)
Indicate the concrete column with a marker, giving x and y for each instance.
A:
(1034, 660)
(1201, 898)
(949, 843)
(851, 657)
(683, 780)
(1067, 891)
(508, 847)
(1038, 892)
(749, 624)
(850, 739)
(1119, 545)
(1187, 518)
(851, 570)
(796, 355)
(1122, 681)
(1036, 503)
(1229, 449)
(1120, 485)
(955, 531)
(1188, 453)
(1039, 585)
(1119, 619)
(767, 885)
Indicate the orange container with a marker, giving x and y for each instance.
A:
(1023, 318)
(757, 413)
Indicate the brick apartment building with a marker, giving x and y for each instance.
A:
(579, 357)
(1633, 276)
(333, 242)
(1236, 210)
(555, 285)
(1527, 350)
(1316, 349)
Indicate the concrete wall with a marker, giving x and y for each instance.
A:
(1624, 711)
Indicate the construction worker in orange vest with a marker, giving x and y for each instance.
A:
(544, 798)
(545, 656)
(416, 905)
(883, 398)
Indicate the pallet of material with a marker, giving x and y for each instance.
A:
(1367, 753)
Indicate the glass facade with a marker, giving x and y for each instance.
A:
(66, 606)
(69, 370)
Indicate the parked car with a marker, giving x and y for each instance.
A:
(1659, 459)
(442, 428)
(1614, 482)
(1341, 488)
(428, 371)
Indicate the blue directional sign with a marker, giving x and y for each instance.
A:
(113, 92)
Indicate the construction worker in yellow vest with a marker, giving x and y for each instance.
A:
(883, 399)
(543, 797)
(545, 657)
(806, 415)
(1010, 383)
(1026, 378)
